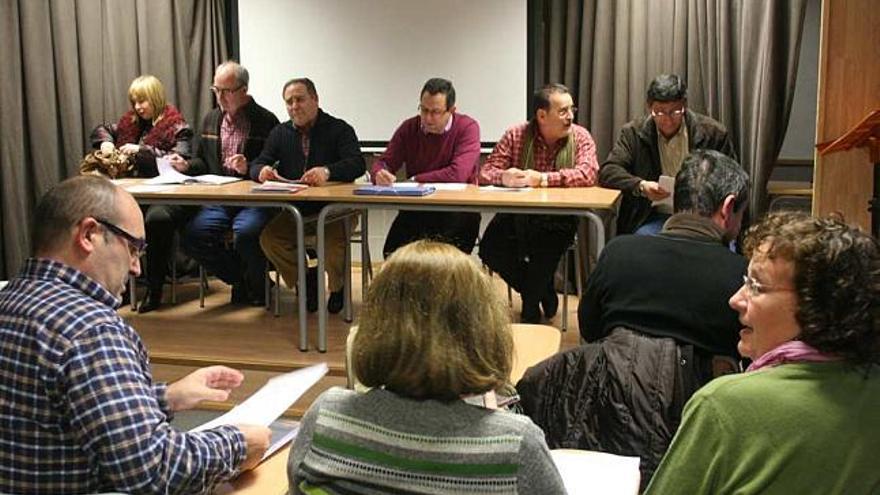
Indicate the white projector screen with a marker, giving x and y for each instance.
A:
(370, 58)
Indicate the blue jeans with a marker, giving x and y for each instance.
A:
(204, 241)
(653, 224)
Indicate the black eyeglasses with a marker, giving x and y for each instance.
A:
(137, 244)
(222, 91)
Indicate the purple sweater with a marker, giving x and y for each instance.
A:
(453, 156)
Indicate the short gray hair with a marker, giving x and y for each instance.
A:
(67, 203)
(241, 74)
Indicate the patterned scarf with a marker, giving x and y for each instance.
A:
(793, 351)
(564, 158)
(162, 135)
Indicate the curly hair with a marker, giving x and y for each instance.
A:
(836, 279)
(433, 327)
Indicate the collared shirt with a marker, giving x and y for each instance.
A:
(673, 150)
(508, 154)
(80, 412)
(445, 128)
(233, 133)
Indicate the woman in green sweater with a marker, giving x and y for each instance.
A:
(805, 418)
(433, 331)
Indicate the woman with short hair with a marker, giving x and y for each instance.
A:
(805, 418)
(432, 332)
(150, 129)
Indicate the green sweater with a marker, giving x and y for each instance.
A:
(378, 442)
(795, 428)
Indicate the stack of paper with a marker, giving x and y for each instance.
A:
(586, 471)
(277, 186)
(169, 175)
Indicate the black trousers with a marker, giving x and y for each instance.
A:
(458, 229)
(525, 250)
(160, 223)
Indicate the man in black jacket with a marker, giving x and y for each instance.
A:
(313, 147)
(657, 323)
(655, 145)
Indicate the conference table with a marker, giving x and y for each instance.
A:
(575, 201)
(582, 202)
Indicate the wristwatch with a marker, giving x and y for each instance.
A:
(638, 191)
(543, 180)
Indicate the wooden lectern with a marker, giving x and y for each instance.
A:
(864, 135)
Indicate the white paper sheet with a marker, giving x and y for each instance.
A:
(169, 175)
(588, 472)
(665, 205)
(504, 189)
(267, 404)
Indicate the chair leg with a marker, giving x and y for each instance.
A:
(203, 286)
(346, 288)
(175, 246)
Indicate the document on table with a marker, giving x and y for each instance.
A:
(505, 189)
(586, 471)
(169, 175)
(279, 186)
(267, 404)
(665, 205)
(438, 186)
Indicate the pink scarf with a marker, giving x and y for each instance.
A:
(793, 351)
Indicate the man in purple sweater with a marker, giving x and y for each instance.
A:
(438, 145)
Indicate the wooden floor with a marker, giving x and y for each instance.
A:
(183, 337)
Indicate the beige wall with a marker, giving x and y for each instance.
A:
(849, 88)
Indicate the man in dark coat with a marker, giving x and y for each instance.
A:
(655, 145)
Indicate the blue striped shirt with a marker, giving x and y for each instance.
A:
(79, 411)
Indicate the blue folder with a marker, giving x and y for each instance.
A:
(394, 191)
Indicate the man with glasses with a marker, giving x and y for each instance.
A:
(232, 135)
(655, 316)
(437, 145)
(550, 150)
(655, 145)
(313, 147)
(80, 411)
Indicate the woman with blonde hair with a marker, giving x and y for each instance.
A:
(151, 128)
(433, 331)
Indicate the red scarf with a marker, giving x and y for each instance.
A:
(161, 136)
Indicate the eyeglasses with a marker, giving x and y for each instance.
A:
(432, 112)
(563, 112)
(673, 113)
(755, 288)
(224, 91)
(137, 245)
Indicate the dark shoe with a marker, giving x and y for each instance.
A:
(550, 302)
(530, 313)
(151, 301)
(335, 303)
(312, 290)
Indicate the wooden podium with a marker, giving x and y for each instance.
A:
(866, 134)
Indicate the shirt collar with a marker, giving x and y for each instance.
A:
(49, 269)
(445, 129)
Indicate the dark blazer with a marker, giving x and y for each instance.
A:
(332, 144)
(636, 157)
(206, 159)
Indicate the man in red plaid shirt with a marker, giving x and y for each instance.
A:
(550, 150)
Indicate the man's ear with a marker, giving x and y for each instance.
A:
(728, 208)
(85, 235)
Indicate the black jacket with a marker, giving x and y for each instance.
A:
(636, 157)
(206, 159)
(332, 144)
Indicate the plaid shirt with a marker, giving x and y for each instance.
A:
(233, 133)
(79, 411)
(508, 151)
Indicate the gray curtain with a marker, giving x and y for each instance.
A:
(69, 64)
(739, 58)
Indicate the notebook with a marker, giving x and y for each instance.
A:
(394, 190)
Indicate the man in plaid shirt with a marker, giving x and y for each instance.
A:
(548, 151)
(79, 411)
